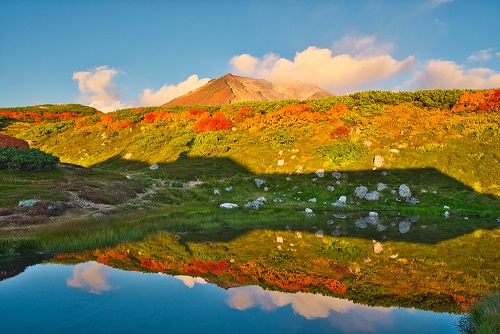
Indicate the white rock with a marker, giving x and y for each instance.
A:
(341, 201)
(217, 192)
(261, 199)
(27, 203)
(361, 223)
(128, 156)
(336, 233)
(279, 239)
(259, 182)
(288, 178)
(312, 200)
(372, 196)
(281, 162)
(404, 191)
(330, 188)
(382, 187)
(308, 211)
(446, 207)
(446, 214)
(330, 222)
(154, 167)
(320, 172)
(377, 247)
(266, 188)
(378, 161)
(128, 177)
(319, 233)
(336, 175)
(381, 227)
(228, 205)
(361, 191)
(278, 200)
(228, 189)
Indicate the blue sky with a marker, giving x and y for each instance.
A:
(115, 54)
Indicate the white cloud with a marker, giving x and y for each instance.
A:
(481, 55)
(449, 75)
(97, 89)
(167, 93)
(90, 276)
(337, 73)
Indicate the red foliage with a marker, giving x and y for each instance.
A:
(155, 265)
(242, 114)
(21, 115)
(157, 116)
(9, 141)
(479, 101)
(120, 125)
(341, 131)
(215, 123)
(199, 267)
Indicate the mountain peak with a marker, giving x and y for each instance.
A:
(231, 88)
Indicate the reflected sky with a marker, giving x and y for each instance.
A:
(91, 297)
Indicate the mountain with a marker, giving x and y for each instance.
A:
(232, 89)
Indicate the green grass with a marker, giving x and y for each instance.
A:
(484, 316)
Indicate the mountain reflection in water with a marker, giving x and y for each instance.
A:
(91, 297)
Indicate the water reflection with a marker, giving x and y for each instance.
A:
(342, 313)
(90, 276)
(163, 303)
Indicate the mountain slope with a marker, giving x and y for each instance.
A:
(232, 89)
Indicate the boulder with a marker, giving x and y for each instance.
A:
(320, 172)
(154, 167)
(372, 218)
(377, 247)
(312, 200)
(372, 196)
(412, 200)
(319, 233)
(382, 187)
(404, 191)
(341, 201)
(308, 211)
(378, 161)
(361, 191)
(259, 182)
(217, 192)
(330, 188)
(228, 205)
(27, 203)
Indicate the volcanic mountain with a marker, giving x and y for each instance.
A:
(232, 89)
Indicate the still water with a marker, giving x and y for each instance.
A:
(93, 298)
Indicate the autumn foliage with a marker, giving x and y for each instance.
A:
(215, 123)
(479, 101)
(9, 141)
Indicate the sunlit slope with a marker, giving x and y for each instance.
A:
(453, 131)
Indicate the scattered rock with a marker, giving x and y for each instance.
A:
(404, 191)
(382, 187)
(27, 203)
(372, 196)
(384, 173)
(368, 143)
(336, 175)
(298, 234)
(228, 205)
(128, 177)
(423, 191)
(98, 214)
(330, 188)
(281, 162)
(378, 161)
(280, 152)
(259, 182)
(446, 214)
(367, 260)
(128, 156)
(279, 240)
(154, 167)
(339, 215)
(217, 192)
(288, 178)
(278, 200)
(381, 227)
(377, 247)
(320, 172)
(228, 189)
(312, 200)
(361, 191)
(262, 199)
(330, 222)
(308, 211)
(266, 188)
(394, 150)
(319, 233)
(412, 200)
(394, 256)
(341, 201)
(404, 226)
(446, 207)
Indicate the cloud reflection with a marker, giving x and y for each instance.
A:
(90, 276)
(190, 281)
(342, 313)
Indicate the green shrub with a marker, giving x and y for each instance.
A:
(484, 316)
(340, 153)
(209, 144)
(342, 251)
(26, 159)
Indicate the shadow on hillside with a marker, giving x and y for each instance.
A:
(425, 221)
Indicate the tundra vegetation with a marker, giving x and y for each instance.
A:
(141, 189)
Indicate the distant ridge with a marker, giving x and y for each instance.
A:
(232, 89)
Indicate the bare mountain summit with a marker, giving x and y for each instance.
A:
(232, 89)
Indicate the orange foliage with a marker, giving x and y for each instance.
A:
(198, 267)
(21, 115)
(154, 265)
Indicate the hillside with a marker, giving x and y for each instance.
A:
(233, 89)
